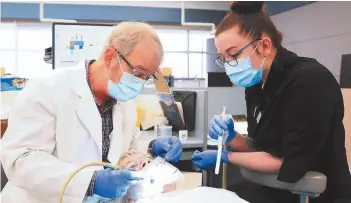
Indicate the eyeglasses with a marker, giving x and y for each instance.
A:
(221, 61)
(150, 79)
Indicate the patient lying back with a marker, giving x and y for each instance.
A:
(169, 193)
(138, 160)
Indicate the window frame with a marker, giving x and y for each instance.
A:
(188, 51)
(188, 29)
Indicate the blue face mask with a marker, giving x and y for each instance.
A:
(243, 74)
(127, 88)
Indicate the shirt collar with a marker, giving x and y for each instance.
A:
(283, 63)
(107, 103)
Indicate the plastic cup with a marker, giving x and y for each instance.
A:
(165, 130)
(183, 135)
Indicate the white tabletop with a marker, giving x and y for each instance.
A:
(191, 142)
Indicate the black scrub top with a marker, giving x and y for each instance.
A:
(297, 115)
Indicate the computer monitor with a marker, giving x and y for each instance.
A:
(75, 42)
(171, 111)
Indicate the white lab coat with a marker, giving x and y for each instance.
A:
(54, 128)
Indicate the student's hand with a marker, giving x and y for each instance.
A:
(219, 125)
(207, 159)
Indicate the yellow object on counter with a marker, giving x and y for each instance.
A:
(2, 71)
(166, 71)
(139, 110)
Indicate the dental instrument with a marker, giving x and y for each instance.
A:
(219, 146)
(70, 177)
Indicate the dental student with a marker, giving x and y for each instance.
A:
(294, 108)
(80, 115)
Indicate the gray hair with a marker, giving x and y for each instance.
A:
(126, 36)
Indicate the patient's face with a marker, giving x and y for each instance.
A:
(138, 161)
(135, 161)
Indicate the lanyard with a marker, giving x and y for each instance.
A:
(257, 114)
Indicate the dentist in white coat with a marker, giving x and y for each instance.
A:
(79, 115)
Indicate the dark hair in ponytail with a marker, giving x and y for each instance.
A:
(253, 20)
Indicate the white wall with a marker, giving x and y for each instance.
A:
(233, 98)
(210, 5)
(347, 122)
(321, 30)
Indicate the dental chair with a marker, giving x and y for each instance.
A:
(311, 185)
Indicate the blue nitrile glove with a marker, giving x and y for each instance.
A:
(169, 148)
(95, 199)
(219, 125)
(207, 159)
(110, 183)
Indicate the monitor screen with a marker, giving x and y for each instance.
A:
(74, 42)
(171, 111)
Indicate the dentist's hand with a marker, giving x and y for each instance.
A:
(110, 183)
(169, 148)
(207, 159)
(219, 125)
